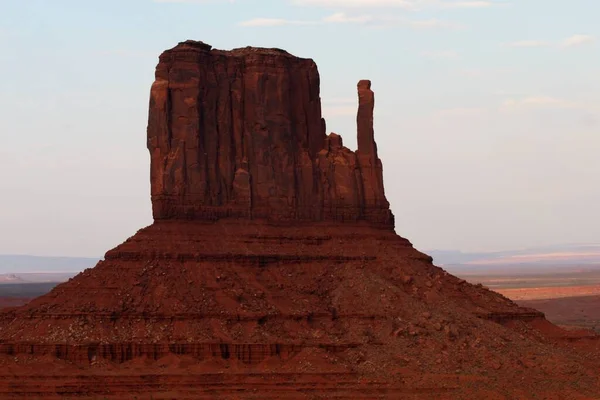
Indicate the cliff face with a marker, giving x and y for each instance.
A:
(240, 134)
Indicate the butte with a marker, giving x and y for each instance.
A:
(272, 270)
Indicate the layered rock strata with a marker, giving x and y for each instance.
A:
(240, 134)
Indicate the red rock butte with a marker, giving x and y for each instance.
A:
(272, 270)
(240, 134)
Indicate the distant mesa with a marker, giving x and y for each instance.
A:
(10, 278)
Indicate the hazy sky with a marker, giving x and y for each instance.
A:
(487, 112)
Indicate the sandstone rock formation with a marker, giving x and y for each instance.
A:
(272, 270)
(240, 134)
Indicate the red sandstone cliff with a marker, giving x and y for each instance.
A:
(240, 134)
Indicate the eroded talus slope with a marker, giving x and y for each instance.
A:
(250, 298)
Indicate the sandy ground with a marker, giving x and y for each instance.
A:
(569, 299)
(545, 293)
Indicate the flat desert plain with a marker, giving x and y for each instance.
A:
(19, 293)
(568, 295)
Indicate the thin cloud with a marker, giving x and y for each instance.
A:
(527, 43)
(407, 4)
(343, 18)
(470, 4)
(577, 40)
(402, 4)
(268, 22)
(572, 41)
(364, 19)
(193, 1)
(434, 23)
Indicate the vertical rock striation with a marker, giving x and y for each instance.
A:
(240, 134)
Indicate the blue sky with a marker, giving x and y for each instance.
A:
(487, 112)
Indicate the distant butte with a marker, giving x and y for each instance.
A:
(272, 270)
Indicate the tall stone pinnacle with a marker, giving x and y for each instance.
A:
(364, 119)
(368, 160)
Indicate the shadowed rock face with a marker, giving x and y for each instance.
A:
(240, 134)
